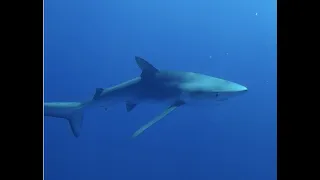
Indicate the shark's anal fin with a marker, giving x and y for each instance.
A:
(148, 70)
(97, 93)
(130, 106)
(105, 108)
(158, 118)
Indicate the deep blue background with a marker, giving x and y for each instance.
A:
(92, 43)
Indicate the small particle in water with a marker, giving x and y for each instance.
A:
(227, 53)
(256, 14)
(210, 57)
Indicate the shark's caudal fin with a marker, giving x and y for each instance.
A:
(72, 111)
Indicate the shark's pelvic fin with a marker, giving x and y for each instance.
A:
(147, 69)
(158, 118)
(130, 106)
(97, 93)
(72, 111)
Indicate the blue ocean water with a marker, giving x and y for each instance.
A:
(90, 44)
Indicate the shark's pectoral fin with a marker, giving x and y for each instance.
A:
(97, 93)
(130, 106)
(158, 118)
(147, 69)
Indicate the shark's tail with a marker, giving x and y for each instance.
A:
(72, 111)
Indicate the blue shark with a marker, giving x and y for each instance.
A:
(176, 88)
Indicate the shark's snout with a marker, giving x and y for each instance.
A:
(242, 88)
(234, 87)
(237, 89)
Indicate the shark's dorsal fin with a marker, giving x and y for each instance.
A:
(148, 70)
(158, 118)
(130, 106)
(145, 65)
(97, 93)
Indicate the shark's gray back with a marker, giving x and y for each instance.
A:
(189, 81)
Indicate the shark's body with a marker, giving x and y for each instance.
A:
(153, 85)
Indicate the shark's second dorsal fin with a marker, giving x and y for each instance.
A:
(97, 94)
(148, 70)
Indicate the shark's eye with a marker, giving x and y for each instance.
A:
(217, 94)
